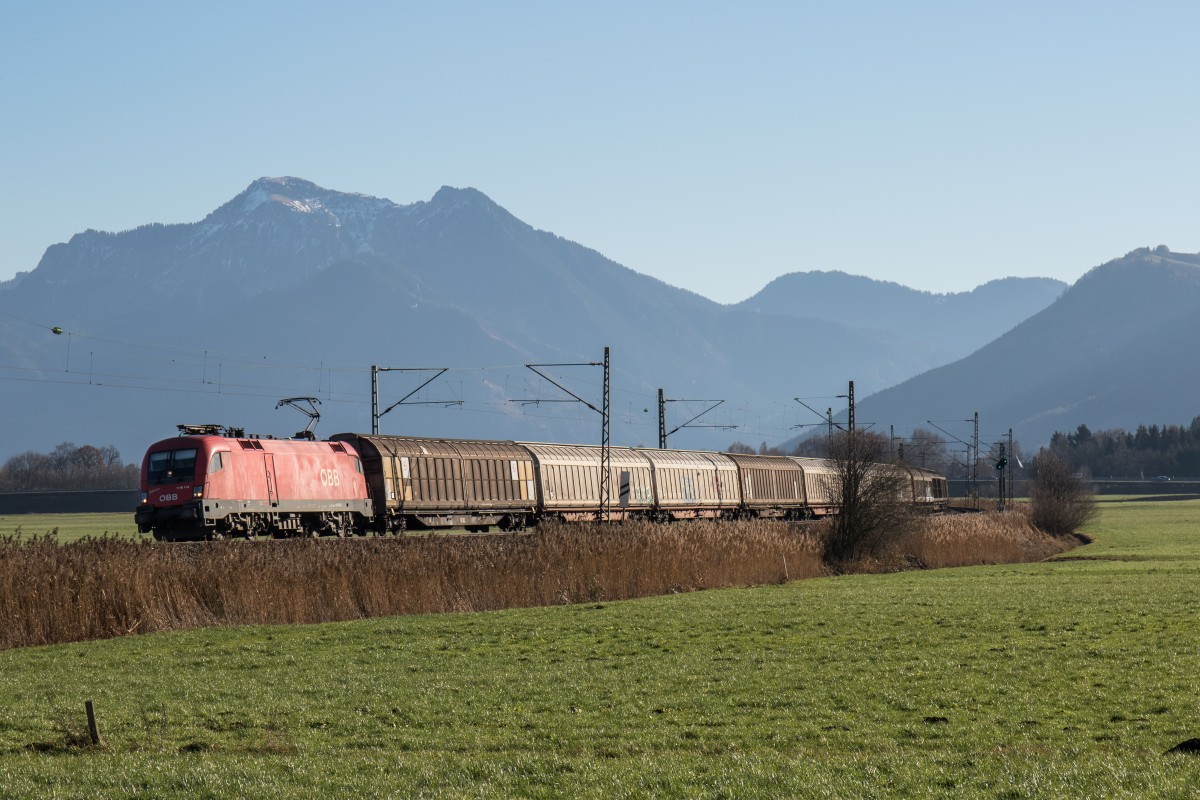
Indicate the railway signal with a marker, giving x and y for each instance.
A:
(1001, 463)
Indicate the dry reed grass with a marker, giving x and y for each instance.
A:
(960, 540)
(99, 588)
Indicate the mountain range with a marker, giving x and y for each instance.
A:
(1112, 352)
(292, 289)
(947, 326)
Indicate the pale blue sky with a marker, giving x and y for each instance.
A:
(715, 146)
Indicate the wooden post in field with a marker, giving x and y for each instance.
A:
(93, 729)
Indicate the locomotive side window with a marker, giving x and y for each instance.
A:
(173, 465)
(215, 463)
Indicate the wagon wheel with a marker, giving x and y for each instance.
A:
(513, 523)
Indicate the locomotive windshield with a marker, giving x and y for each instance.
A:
(171, 466)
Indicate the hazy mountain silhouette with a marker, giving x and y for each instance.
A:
(951, 325)
(292, 289)
(1114, 351)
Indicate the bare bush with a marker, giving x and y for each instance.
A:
(875, 499)
(1060, 502)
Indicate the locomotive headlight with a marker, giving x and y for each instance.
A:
(198, 491)
(143, 498)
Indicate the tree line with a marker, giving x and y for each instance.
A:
(68, 468)
(1147, 452)
(922, 448)
(1171, 450)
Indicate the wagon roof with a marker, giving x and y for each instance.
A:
(585, 454)
(446, 448)
(764, 462)
(697, 458)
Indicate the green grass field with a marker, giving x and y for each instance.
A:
(69, 526)
(1068, 678)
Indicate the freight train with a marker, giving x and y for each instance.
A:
(212, 482)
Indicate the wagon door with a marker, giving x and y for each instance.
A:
(402, 492)
(272, 489)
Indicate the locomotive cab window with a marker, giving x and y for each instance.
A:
(171, 466)
(215, 463)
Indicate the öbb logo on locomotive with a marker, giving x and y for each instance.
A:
(372, 484)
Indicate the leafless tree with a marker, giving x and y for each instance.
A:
(70, 468)
(1061, 503)
(812, 447)
(875, 497)
(927, 450)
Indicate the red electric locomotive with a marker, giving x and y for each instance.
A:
(213, 482)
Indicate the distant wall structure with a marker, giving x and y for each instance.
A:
(99, 501)
(987, 488)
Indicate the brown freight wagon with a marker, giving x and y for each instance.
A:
(929, 488)
(568, 478)
(440, 483)
(693, 483)
(772, 486)
(821, 492)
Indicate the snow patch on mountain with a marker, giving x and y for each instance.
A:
(253, 198)
(298, 205)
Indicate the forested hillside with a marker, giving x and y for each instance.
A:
(1169, 450)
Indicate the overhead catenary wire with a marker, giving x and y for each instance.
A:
(159, 368)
